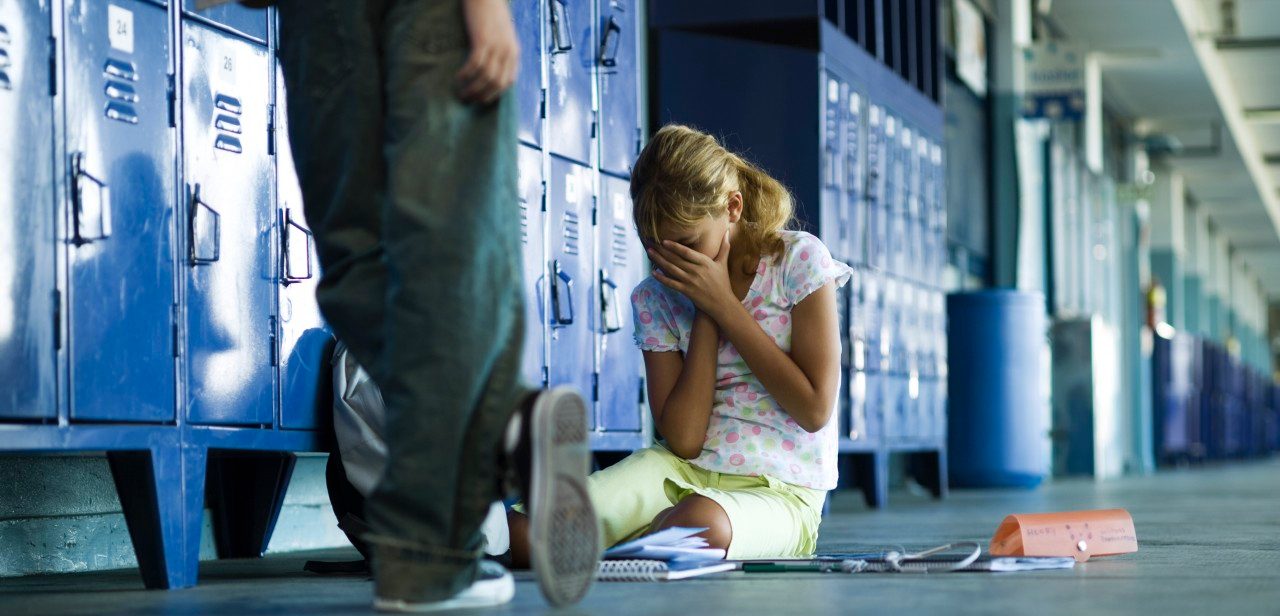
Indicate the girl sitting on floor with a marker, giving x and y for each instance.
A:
(739, 331)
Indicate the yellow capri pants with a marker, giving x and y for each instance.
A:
(770, 518)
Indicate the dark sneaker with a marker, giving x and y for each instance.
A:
(550, 461)
(494, 586)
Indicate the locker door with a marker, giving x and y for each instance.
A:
(897, 205)
(619, 73)
(304, 340)
(529, 86)
(230, 257)
(831, 214)
(569, 272)
(27, 206)
(621, 269)
(876, 187)
(251, 23)
(533, 241)
(120, 162)
(570, 59)
(855, 176)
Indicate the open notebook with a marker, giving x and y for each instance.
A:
(671, 554)
(635, 570)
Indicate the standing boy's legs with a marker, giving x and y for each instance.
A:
(454, 315)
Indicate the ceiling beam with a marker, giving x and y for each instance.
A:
(1214, 67)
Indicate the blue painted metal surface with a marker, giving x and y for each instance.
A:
(28, 305)
(855, 175)
(619, 84)
(252, 23)
(996, 435)
(530, 18)
(304, 340)
(570, 271)
(533, 225)
(230, 261)
(571, 58)
(121, 150)
(833, 211)
(620, 269)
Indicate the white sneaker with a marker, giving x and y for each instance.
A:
(494, 586)
(551, 456)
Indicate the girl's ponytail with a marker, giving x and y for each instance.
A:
(767, 206)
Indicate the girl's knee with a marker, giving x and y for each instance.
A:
(697, 511)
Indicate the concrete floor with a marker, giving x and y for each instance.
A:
(1209, 542)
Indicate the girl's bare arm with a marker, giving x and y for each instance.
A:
(682, 388)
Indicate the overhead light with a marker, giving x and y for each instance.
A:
(1263, 115)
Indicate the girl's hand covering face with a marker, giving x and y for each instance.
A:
(704, 280)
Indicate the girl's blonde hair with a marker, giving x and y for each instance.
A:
(685, 175)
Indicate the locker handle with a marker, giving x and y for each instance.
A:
(90, 193)
(286, 244)
(198, 230)
(560, 276)
(561, 29)
(609, 305)
(610, 42)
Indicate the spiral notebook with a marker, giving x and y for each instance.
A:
(638, 570)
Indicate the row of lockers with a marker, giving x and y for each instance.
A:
(1208, 405)
(580, 133)
(867, 173)
(157, 256)
(895, 359)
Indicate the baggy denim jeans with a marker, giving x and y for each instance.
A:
(412, 197)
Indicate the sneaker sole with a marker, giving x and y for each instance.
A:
(564, 534)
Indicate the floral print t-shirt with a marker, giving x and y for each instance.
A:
(749, 432)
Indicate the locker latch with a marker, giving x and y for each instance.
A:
(610, 314)
(561, 278)
(294, 251)
(610, 42)
(561, 29)
(205, 231)
(92, 208)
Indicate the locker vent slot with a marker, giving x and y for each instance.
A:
(618, 243)
(572, 234)
(524, 222)
(122, 95)
(5, 60)
(227, 123)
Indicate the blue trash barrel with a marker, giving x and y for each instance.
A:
(998, 414)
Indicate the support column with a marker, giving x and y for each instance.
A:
(1168, 242)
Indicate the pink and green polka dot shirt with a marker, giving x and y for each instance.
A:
(749, 432)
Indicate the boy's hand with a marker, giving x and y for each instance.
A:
(495, 51)
(704, 280)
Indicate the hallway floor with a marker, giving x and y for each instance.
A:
(1209, 542)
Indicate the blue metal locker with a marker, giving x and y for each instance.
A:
(533, 244)
(621, 268)
(877, 187)
(28, 305)
(571, 57)
(121, 149)
(529, 88)
(305, 343)
(250, 23)
(570, 271)
(855, 177)
(619, 75)
(832, 229)
(896, 208)
(230, 257)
